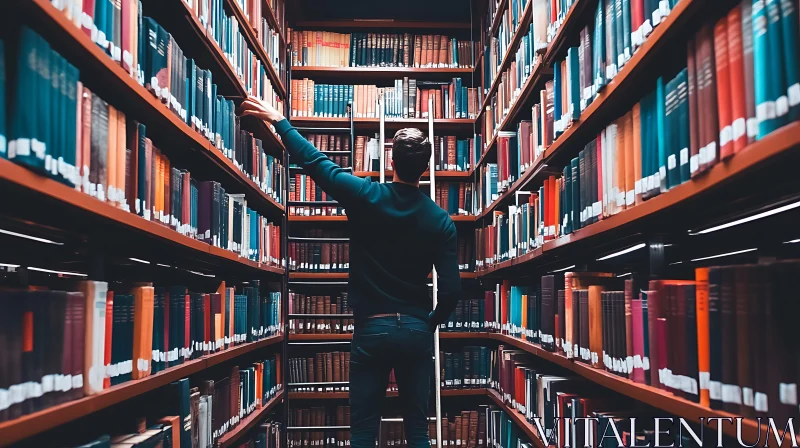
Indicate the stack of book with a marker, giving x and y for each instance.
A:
(329, 49)
(467, 428)
(338, 416)
(319, 305)
(469, 368)
(319, 256)
(111, 336)
(408, 98)
(331, 367)
(453, 197)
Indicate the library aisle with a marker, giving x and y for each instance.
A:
(621, 175)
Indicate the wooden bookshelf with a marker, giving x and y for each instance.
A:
(777, 144)
(249, 422)
(70, 199)
(616, 94)
(273, 20)
(115, 85)
(652, 396)
(18, 429)
(251, 35)
(527, 428)
(522, 29)
(320, 337)
(498, 16)
(440, 174)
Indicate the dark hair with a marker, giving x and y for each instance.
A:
(411, 152)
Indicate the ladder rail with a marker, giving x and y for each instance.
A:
(435, 278)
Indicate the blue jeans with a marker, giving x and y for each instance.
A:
(380, 344)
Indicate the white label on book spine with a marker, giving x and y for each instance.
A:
(765, 111)
(715, 390)
(711, 152)
(782, 106)
(672, 162)
(760, 402)
(684, 156)
(663, 7)
(739, 128)
(705, 380)
(725, 135)
(788, 394)
(646, 363)
(748, 396)
(656, 17)
(752, 127)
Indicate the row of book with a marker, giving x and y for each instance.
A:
(319, 256)
(301, 304)
(302, 188)
(316, 210)
(268, 37)
(329, 49)
(330, 367)
(203, 414)
(408, 98)
(467, 429)
(318, 417)
(453, 197)
(449, 153)
(225, 31)
(335, 146)
(113, 335)
(268, 434)
(152, 56)
(469, 315)
(469, 368)
(693, 338)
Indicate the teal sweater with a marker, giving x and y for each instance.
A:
(397, 234)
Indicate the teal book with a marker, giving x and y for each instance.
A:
(599, 46)
(574, 219)
(52, 68)
(316, 100)
(566, 222)
(100, 18)
(199, 96)
(178, 403)
(619, 34)
(626, 29)
(557, 89)
(765, 104)
(777, 85)
(191, 83)
(791, 55)
(68, 163)
(141, 172)
(212, 124)
(670, 133)
(611, 39)
(661, 132)
(26, 92)
(644, 125)
(575, 93)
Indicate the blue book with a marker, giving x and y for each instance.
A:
(557, 86)
(791, 56)
(765, 103)
(575, 84)
(662, 133)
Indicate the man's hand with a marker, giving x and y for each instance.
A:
(253, 106)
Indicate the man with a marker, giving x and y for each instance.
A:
(397, 235)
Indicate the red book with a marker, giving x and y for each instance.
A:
(638, 341)
(724, 92)
(488, 308)
(663, 349)
(187, 341)
(504, 287)
(87, 19)
(737, 79)
(207, 319)
(637, 14)
(599, 157)
(107, 346)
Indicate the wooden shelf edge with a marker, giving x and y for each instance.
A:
(781, 141)
(320, 337)
(345, 275)
(249, 422)
(317, 70)
(498, 15)
(389, 394)
(28, 425)
(295, 218)
(25, 178)
(158, 109)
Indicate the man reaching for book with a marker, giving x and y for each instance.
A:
(397, 235)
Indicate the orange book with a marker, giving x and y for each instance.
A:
(596, 325)
(636, 116)
(259, 368)
(107, 192)
(174, 422)
(736, 62)
(166, 210)
(557, 207)
(122, 159)
(142, 330)
(107, 347)
(629, 171)
(223, 318)
(724, 92)
(703, 352)
(619, 174)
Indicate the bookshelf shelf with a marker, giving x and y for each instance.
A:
(530, 431)
(293, 218)
(352, 74)
(522, 29)
(441, 124)
(249, 422)
(251, 35)
(115, 85)
(320, 337)
(389, 394)
(498, 16)
(780, 142)
(652, 396)
(15, 430)
(345, 275)
(620, 91)
(273, 21)
(442, 174)
(21, 177)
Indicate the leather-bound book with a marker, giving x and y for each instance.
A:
(731, 392)
(715, 282)
(724, 88)
(637, 327)
(595, 324)
(585, 341)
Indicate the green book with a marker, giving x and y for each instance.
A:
(53, 71)
(791, 55)
(599, 46)
(575, 93)
(668, 136)
(777, 83)
(626, 30)
(619, 34)
(611, 40)
(661, 101)
(683, 125)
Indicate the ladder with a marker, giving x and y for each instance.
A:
(434, 276)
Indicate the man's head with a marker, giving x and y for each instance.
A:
(411, 154)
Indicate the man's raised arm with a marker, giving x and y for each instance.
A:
(339, 183)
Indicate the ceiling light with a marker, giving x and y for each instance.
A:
(564, 269)
(50, 271)
(138, 260)
(622, 252)
(765, 214)
(724, 255)
(30, 237)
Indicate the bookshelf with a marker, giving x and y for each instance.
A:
(443, 125)
(104, 233)
(345, 275)
(16, 430)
